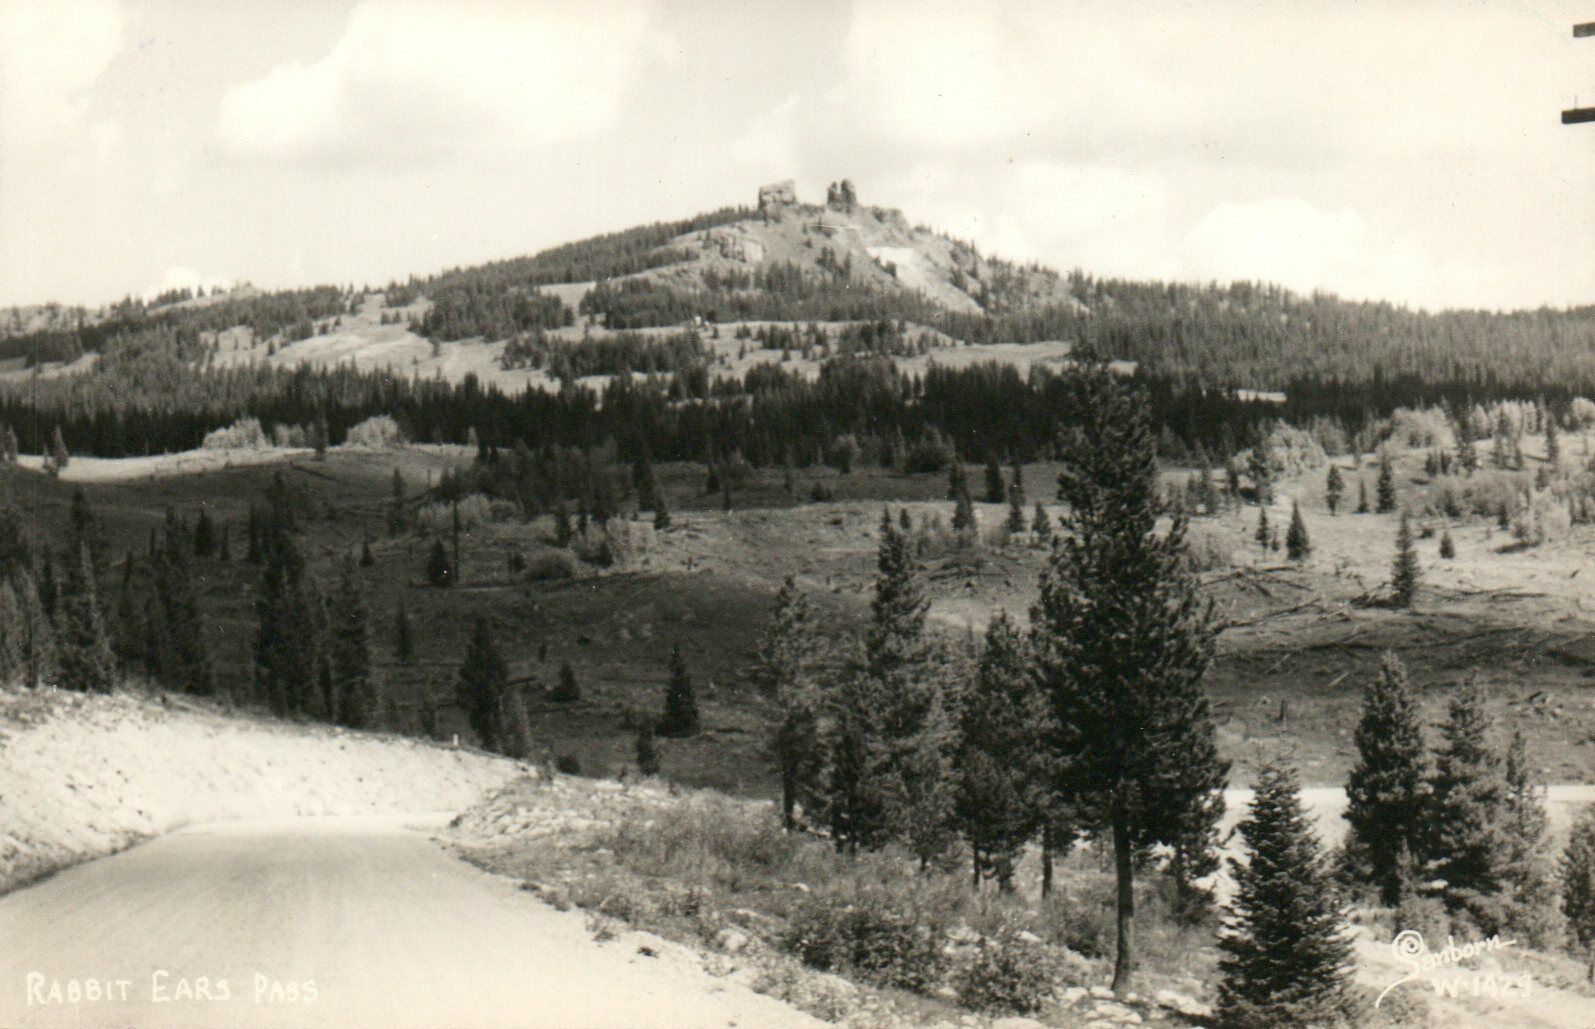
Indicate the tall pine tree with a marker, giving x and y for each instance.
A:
(1387, 793)
(1122, 641)
(784, 668)
(483, 681)
(1467, 846)
(680, 716)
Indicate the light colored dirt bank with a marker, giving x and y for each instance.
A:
(82, 776)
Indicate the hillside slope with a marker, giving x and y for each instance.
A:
(81, 776)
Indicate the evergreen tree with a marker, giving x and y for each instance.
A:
(1334, 489)
(8, 445)
(957, 481)
(1122, 641)
(1286, 955)
(482, 684)
(1468, 847)
(680, 716)
(1362, 494)
(403, 640)
(1404, 574)
(1387, 793)
(784, 670)
(996, 490)
(85, 662)
(1386, 484)
(366, 557)
(177, 632)
(58, 457)
(1260, 465)
(1041, 524)
(515, 726)
(1577, 876)
(286, 636)
(998, 755)
(1297, 546)
(86, 531)
(647, 750)
(1448, 548)
(396, 505)
(661, 512)
(964, 522)
(1016, 511)
(1263, 533)
(437, 565)
(1553, 444)
(204, 535)
(356, 700)
(566, 689)
(1528, 861)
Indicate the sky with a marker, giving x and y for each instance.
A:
(1387, 149)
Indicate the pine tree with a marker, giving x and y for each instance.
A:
(998, 755)
(784, 669)
(1041, 524)
(396, 505)
(1260, 465)
(356, 692)
(1387, 793)
(1577, 875)
(403, 640)
(483, 681)
(1362, 494)
(680, 715)
(1016, 511)
(1297, 546)
(1404, 574)
(59, 456)
(85, 662)
(1468, 847)
(957, 481)
(366, 558)
(437, 565)
(515, 726)
(996, 491)
(1448, 548)
(1286, 954)
(177, 632)
(286, 637)
(1263, 534)
(661, 512)
(204, 535)
(1122, 640)
(647, 749)
(964, 522)
(1528, 861)
(1553, 445)
(566, 689)
(1386, 484)
(1334, 489)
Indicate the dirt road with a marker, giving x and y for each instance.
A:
(331, 921)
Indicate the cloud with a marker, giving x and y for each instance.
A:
(186, 278)
(51, 53)
(409, 81)
(1293, 243)
(768, 146)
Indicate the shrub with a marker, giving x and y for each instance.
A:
(870, 939)
(288, 436)
(550, 566)
(821, 493)
(568, 764)
(1421, 429)
(1005, 974)
(377, 432)
(475, 511)
(605, 546)
(244, 434)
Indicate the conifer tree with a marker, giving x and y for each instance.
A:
(59, 456)
(1553, 445)
(784, 669)
(1362, 494)
(1041, 524)
(1467, 845)
(177, 632)
(1334, 488)
(996, 491)
(1297, 546)
(403, 640)
(1286, 954)
(1001, 774)
(366, 558)
(1448, 548)
(661, 512)
(1528, 861)
(515, 726)
(8, 445)
(437, 565)
(957, 481)
(396, 505)
(204, 535)
(1404, 574)
(1016, 511)
(1577, 875)
(1122, 640)
(1263, 533)
(964, 522)
(286, 636)
(85, 662)
(1386, 485)
(1387, 793)
(680, 715)
(566, 689)
(647, 749)
(483, 681)
(355, 688)
(1260, 465)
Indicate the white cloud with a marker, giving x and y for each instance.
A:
(1293, 243)
(186, 278)
(768, 146)
(407, 81)
(51, 52)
